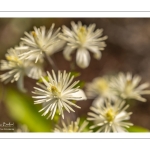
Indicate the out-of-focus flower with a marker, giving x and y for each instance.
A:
(39, 42)
(83, 39)
(74, 126)
(35, 70)
(57, 93)
(127, 87)
(110, 117)
(17, 68)
(56, 47)
(100, 89)
(14, 65)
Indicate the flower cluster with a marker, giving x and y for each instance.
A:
(122, 86)
(110, 95)
(58, 93)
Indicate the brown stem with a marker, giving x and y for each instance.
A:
(51, 62)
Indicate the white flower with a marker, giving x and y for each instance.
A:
(14, 65)
(127, 87)
(57, 93)
(100, 89)
(17, 68)
(40, 42)
(110, 117)
(74, 126)
(82, 39)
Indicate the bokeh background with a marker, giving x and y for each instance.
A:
(128, 50)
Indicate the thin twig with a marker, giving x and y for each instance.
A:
(51, 62)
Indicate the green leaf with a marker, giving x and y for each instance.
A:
(75, 74)
(22, 110)
(137, 129)
(41, 81)
(80, 84)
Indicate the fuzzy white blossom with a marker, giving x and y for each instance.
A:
(127, 86)
(40, 42)
(110, 117)
(16, 68)
(13, 65)
(74, 126)
(83, 39)
(100, 89)
(57, 93)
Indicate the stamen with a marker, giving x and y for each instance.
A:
(110, 115)
(34, 34)
(82, 33)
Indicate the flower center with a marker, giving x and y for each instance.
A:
(55, 91)
(82, 34)
(13, 59)
(102, 85)
(110, 115)
(37, 40)
(128, 87)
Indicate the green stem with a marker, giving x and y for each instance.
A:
(20, 84)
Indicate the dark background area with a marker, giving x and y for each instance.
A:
(128, 50)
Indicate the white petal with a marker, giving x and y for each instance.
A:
(79, 93)
(56, 47)
(96, 51)
(34, 71)
(83, 58)
(122, 114)
(98, 102)
(120, 129)
(67, 52)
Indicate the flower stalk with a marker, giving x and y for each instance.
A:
(51, 62)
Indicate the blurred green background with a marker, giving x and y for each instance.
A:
(128, 49)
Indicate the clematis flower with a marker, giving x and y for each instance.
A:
(83, 39)
(58, 92)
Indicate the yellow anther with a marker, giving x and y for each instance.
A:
(54, 89)
(82, 30)
(128, 82)
(110, 115)
(37, 40)
(13, 58)
(34, 34)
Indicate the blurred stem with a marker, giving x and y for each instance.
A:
(2, 92)
(72, 66)
(51, 62)
(20, 84)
